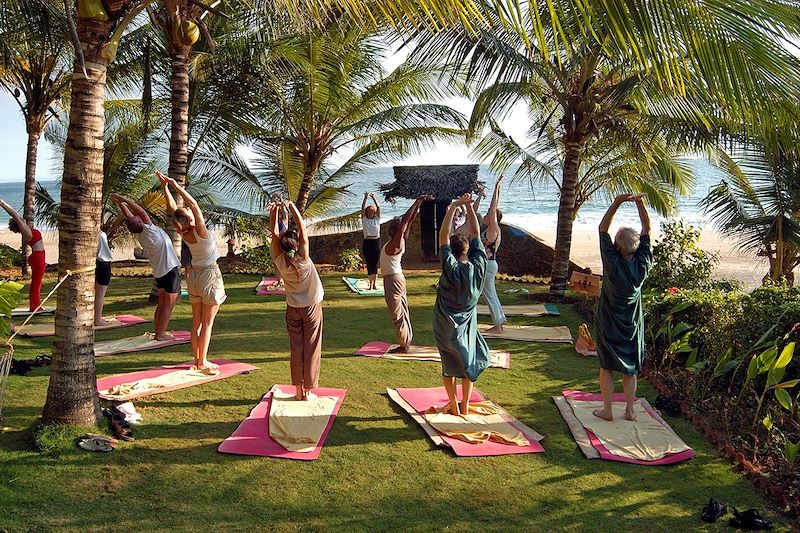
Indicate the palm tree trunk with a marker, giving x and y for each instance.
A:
(179, 136)
(29, 203)
(305, 191)
(72, 391)
(566, 217)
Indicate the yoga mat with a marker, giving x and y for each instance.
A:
(139, 344)
(528, 310)
(266, 286)
(25, 311)
(416, 401)
(498, 359)
(529, 333)
(49, 329)
(359, 285)
(227, 368)
(593, 448)
(252, 435)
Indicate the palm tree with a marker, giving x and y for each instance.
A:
(72, 391)
(35, 57)
(758, 204)
(327, 93)
(590, 91)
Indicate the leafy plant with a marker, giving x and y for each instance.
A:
(9, 257)
(259, 258)
(678, 261)
(772, 363)
(10, 297)
(350, 259)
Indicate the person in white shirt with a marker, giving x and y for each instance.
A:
(203, 279)
(371, 249)
(102, 277)
(394, 282)
(165, 264)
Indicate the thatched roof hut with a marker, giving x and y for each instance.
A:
(444, 182)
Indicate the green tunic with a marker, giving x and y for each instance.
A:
(619, 318)
(463, 349)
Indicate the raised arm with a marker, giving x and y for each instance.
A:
(170, 200)
(191, 203)
(605, 223)
(447, 223)
(275, 244)
(130, 208)
(644, 216)
(24, 229)
(481, 196)
(377, 205)
(364, 204)
(302, 233)
(472, 218)
(393, 246)
(495, 201)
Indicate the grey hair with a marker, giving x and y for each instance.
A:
(627, 240)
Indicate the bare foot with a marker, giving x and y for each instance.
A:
(164, 337)
(464, 409)
(101, 322)
(310, 396)
(630, 415)
(452, 409)
(605, 415)
(498, 329)
(399, 349)
(208, 364)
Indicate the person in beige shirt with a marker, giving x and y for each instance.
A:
(304, 296)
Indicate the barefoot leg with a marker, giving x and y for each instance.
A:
(607, 389)
(209, 312)
(450, 387)
(466, 394)
(99, 300)
(629, 384)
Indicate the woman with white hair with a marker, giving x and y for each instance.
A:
(619, 318)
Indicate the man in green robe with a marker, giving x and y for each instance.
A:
(463, 349)
(619, 318)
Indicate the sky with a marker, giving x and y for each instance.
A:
(13, 139)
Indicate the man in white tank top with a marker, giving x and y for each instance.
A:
(394, 282)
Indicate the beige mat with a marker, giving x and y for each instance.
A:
(48, 329)
(297, 425)
(139, 344)
(646, 439)
(485, 421)
(497, 358)
(530, 333)
(172, 379)
(528, 310)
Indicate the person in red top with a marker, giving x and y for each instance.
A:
(33, 238)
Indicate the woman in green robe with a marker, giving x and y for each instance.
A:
(619, 318)
(463, 349)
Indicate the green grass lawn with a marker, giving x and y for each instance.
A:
(377, 471)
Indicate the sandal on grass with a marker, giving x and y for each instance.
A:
(713, 510)
(96, 443)
(41, 360)
(120, 426)
(750, 519)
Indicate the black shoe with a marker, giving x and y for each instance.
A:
(120, 426)
(750, 519)
(668, 405)
(713, 510)
(20, 368)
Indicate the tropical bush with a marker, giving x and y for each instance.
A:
(9, 257)
(259, 258)
(349, 259)
(678, 261)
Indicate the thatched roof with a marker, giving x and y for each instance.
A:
(444, 182)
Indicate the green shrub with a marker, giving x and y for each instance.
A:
(767, 306)
(259, 258)
(350, 259)
(678, 261)
(9, 257)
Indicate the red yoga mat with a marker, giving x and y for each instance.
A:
(252, 435)
(604, 453)
(227, 368)
(422, 399)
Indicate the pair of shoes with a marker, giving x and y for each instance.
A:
(19, 367)
(92, 442)
(750, 519)
(713, 510)
(668, 405)
(41, 360)
(120, 426)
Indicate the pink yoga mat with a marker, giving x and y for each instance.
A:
(127, 321)
(422, 399)
(379, 348)
(263, 288)
(227, 368)
(179, 337)
(604, 453)
(252, 435)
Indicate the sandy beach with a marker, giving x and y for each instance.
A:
(585, 251)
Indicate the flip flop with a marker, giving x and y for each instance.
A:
(750, 519)
(713, 510)
(102, 438)
(94, 445)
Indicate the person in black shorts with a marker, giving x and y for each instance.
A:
(102, 278)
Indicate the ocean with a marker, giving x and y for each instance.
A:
(534, 209)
